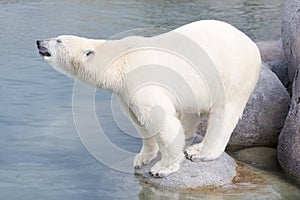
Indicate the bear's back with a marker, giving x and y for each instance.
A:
(235, 55)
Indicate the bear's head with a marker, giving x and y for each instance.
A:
(68, 54)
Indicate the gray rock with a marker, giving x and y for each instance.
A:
(271, 51)
(290, 32)
(195, 174)
(289, 139)
(264, 115)
(273, 56)
(262, 157)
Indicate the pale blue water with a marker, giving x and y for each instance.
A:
(41, 156)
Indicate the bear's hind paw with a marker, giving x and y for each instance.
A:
(193, 152)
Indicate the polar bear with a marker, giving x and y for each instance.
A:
(220, 83)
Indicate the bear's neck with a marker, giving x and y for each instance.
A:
(113, 63)
(112, 78)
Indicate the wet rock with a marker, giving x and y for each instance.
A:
(273, 56)
(249, 183)
(264, 115)
(289, 139)
(195, 174)
(290, 32)
(262, 157)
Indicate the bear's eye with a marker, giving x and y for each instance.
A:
(89, 52)
(58, 41)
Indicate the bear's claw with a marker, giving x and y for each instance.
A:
(194, 153)
(162, 169)
(154, 175)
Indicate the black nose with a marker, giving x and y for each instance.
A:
(38, 42)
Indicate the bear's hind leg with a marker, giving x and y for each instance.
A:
(221, 123)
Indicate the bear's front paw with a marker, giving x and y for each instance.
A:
(162, 169)
(143, 158)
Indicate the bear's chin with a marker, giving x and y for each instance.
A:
(62, 69)
(47, 58)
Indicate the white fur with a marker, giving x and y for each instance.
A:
(237, 63)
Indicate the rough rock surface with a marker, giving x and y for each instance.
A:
(290, 32)
(195, 174)
(264, 115)
(273, 56)
(289, 139)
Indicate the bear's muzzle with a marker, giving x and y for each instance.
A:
(43, 51)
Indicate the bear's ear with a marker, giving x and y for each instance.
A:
(89, 52)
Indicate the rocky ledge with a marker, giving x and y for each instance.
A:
(195, 174)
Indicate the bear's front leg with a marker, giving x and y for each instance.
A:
(149, 150)
(155, 111)
(171, 142)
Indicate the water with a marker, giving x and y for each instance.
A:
(41, 156)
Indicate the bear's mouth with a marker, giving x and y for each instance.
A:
(44, 52)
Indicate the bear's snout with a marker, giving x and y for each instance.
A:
(38, 42)
(43, 51)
